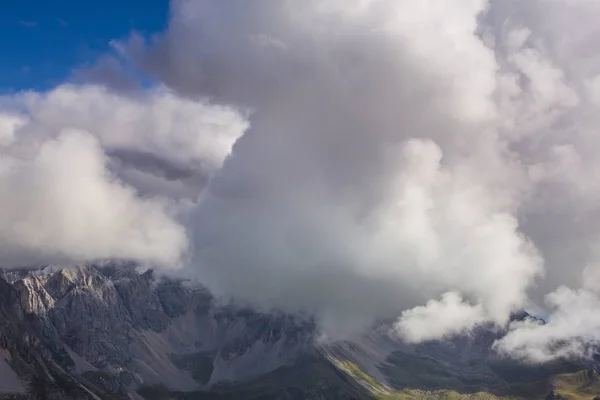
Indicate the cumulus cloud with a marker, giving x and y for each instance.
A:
(571, 332)
(183, 132)
(432, 161)
(63, 205)
(373, 176)
(431, 231)
(397, 152)
(87, 173)
(437, 319)
(9, 124)
(158, 142)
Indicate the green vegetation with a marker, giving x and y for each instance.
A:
(499, 378)
(382, 392)
(319, 378)
(582, 385)
(406, 370)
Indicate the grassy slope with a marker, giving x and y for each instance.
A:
(485, 379)
(319, 378)
(382, 392)
(582, 385)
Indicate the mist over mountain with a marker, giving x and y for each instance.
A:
(419, 171)
(114, 331)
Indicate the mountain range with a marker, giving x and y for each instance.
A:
(108, 331)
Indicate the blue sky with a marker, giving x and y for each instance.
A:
(42, 41)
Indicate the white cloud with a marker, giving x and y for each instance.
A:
(159, 122)
(9, 124)
(87, 173)
(438, 319)
(572, 331)
(373, 176)
(398, 153)
(63, 205)
(417, 149)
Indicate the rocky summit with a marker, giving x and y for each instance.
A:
(115, 332)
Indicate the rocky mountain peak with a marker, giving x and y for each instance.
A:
(104, 331)
(143, 330)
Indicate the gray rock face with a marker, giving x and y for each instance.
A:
(175, 299)
(31, 351)
(136, 328)
(140, 299)
(34, 297)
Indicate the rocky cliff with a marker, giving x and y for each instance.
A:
(115, 332)
(123, 329)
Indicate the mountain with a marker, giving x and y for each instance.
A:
(113, 332)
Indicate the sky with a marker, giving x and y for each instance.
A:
(432, 163)
(42, 41)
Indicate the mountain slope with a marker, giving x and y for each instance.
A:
(113, 332)
(132, 330)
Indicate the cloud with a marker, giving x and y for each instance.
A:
(432, 162)
(108, 71)
(330, 256)
(572, 330)
(415, 150)
(88, 174)
(9, 124)
(448, 317)
(373, 176)
(63, 205)
(172, 132)
(178, 129)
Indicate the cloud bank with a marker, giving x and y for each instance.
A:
(87, 174)
(432, 162)
(375, 174)
(63, 205)
(397, 153)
